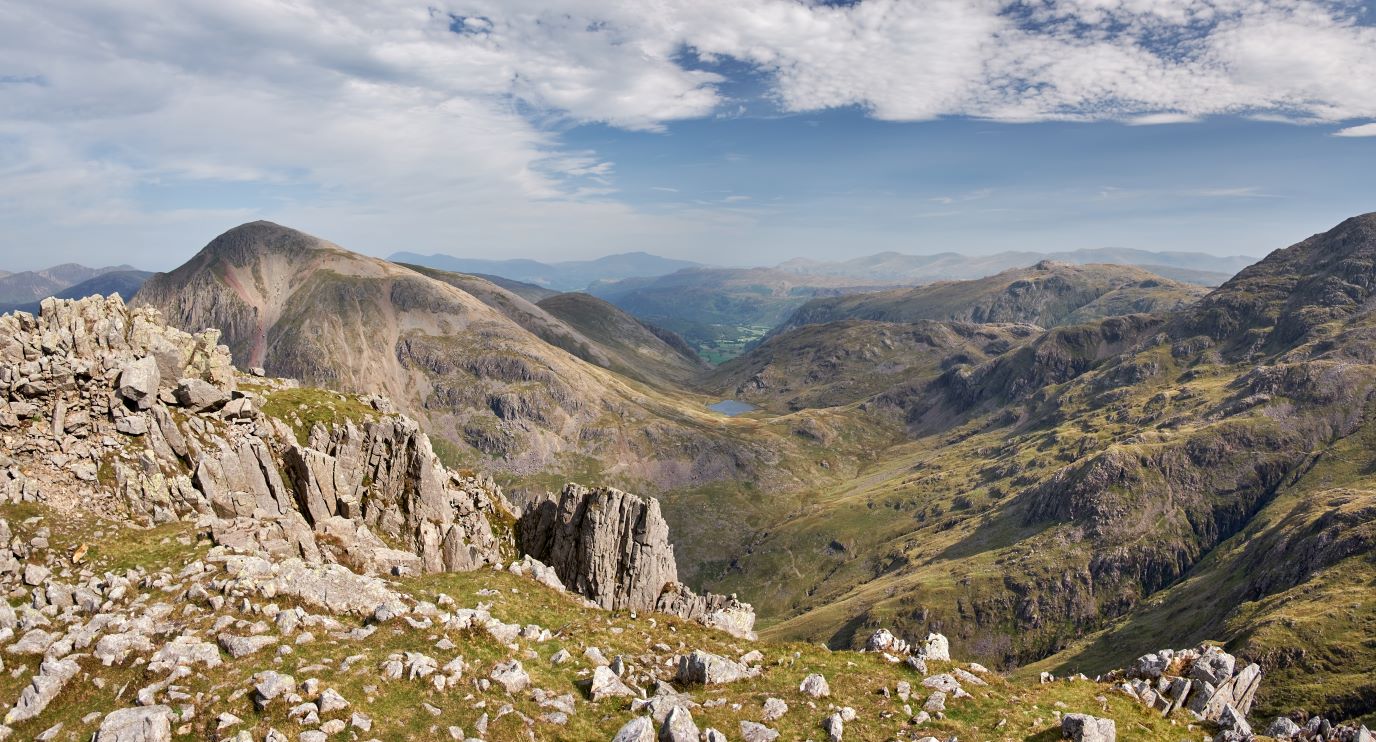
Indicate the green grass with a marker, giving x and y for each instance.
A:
(1025, 710)
(303, 408)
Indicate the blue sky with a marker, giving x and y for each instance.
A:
(727, 131)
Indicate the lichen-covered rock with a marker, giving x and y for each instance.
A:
(138, 382)
(639, 729)
(815, 685)
(53, 675)
(721, 612)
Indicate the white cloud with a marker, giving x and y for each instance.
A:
(440, 118)
(1364, 130)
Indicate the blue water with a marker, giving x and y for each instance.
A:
(731, 407)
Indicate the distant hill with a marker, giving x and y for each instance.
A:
(126, 283)
(720, 311)
(840, 363)
(1046, 294)
(1189, 267)
(528, 291)
(27, 287)
(570, 275)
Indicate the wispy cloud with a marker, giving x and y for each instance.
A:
(1245, 192)
(975, 195)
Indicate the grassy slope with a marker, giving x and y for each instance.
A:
(1024, 710)
(844, 362)
(1047, 294)
(1314, 638)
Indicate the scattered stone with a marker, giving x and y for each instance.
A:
(1282, 728)
(752, 732)
(816, 686)
(834, 726)
(511, 676)
(639, 729)
(243, 646)
(605, 684)
(679, 727)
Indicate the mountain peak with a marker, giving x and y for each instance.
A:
(243, 243)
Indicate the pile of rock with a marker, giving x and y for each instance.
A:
(107, 408)
(915, 654)
(1205, 681)
(1317, 728)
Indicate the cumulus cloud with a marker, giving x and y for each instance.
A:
(449, 111)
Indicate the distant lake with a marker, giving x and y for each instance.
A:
(731, 407)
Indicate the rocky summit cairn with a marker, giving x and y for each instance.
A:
(613, 548)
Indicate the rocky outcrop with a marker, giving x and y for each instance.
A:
(1206, 681)
(120, 413)
(613, 548)
(608, 545)
(385, 474)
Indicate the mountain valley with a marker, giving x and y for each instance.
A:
(1058, 468)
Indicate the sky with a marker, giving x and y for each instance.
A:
(725, 131)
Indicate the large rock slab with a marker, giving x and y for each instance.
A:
(144, 724)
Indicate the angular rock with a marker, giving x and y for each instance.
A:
(243, 646)
(935, 647)
(1086, 728)
(679, 727)
(198, 395)
(53, 675)
(816, 686)
(752, 732)
(1282, 728)
(511, 676)
(639, 729)
(834, 726)
(605, 684)
(607, 545)
(138, 382)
